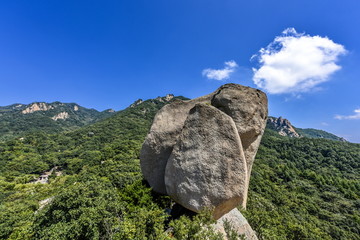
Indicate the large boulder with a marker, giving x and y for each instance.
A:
(207, 167)
(238, 224)
(242, 109)
(161, 139)
(248, 108)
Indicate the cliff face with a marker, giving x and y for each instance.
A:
(282, 126)
(62, 115)
(34, 107)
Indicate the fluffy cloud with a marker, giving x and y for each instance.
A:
(220, 74)
(295, 62)
(351, 117)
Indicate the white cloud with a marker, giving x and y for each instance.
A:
(350, 117)
(296, 62)
(220, 74)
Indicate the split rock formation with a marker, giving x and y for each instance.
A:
(200, 152)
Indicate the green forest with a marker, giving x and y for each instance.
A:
(13, 122)
(305, 188)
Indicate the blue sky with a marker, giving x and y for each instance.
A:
(107, 54)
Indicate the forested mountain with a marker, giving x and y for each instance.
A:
(19, 119)
(285, 128)
(301, 188)
(316, 133)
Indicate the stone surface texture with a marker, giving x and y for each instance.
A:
(201, 151)
(161, 139)
(248, 107)
(238, 223)
(207, 167)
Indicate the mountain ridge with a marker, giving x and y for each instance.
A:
(19, 119)
(284, 128)
(57, 116)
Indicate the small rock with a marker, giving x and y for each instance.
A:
(238, 223)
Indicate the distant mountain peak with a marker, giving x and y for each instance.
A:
(166, 99)
(284, 128)
(16, 120)
(36, 106)
(137, 102)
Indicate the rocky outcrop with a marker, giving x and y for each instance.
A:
(136, 103)
(62, 115)
(207, 166)
(44, 203)
(37, 107)
(282, 126)
(44, 178)
(237, 222)
(201, 151)
(248, 108)
(167, 98)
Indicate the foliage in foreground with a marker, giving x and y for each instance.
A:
(92, 208)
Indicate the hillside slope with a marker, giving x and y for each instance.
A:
(316, 133)
(304, 188)
(19, 119)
